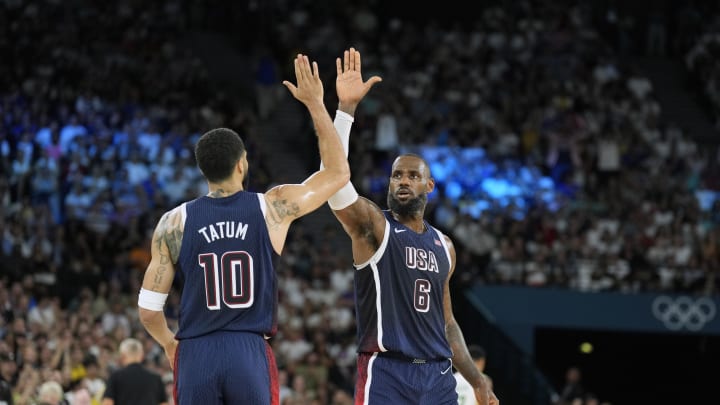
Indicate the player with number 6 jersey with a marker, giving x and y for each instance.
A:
(384, 295)
(408, 338)
(221, 245)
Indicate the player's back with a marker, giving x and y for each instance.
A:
(226, 265)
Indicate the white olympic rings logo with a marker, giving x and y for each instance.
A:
(683, 312)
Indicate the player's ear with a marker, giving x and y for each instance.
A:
(430, 185)
(241, 163)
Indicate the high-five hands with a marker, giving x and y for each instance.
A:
(349, 83)
(309, 89)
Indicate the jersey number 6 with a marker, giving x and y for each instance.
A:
(422, 295)
(235, 276)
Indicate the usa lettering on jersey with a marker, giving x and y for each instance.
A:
(421, 259)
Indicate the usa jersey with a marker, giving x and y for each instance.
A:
(399, 294)
(226, 261)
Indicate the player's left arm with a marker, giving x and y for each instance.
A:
(461, 359)
(159, 278)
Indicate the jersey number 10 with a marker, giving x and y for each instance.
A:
(234, 274)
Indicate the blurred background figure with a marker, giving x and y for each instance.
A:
(133, 383)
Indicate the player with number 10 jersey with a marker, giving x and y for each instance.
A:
(221, 247)
(227, 250)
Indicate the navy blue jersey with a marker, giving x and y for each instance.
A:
(226, 261)
(399, 294)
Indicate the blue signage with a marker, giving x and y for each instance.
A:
(519, 310)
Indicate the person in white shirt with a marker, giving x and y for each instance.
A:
(465, 391)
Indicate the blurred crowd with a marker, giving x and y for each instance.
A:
(701, 61)
(100, 108)
(538, 87)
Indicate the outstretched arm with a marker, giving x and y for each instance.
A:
(158, 280)
(349, 83)
(291, 201)
(360, 217)
(462, 360)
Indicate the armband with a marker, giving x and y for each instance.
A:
(343, 122)
(344, 197)
(151, 300)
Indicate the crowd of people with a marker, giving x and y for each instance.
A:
(96, 142)
(700, 60)
(547, 93)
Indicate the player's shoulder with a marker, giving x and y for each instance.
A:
(443, 235)
(173, 217)
(177, 213)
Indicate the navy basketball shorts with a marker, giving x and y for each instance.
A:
(399, 380)
(226, 368)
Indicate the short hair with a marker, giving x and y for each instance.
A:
(476, 352)
(131, 347)
(415, 155)
(50, 391)
(217, 152)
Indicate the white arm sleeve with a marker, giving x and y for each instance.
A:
(346, 195)
(343, 122)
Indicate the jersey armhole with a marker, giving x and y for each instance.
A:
(381, 250)
(263, 204)
(183, 214)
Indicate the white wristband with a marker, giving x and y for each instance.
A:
(343, 122)
(343, 198)
(151, 300)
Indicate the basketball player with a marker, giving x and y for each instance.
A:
(409, 340)
(222, 246)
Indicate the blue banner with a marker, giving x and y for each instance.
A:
(519, 310)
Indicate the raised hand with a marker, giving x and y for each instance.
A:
(309, 89)
(349, 83)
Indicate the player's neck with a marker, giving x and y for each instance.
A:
(414, 221)
(224, 189)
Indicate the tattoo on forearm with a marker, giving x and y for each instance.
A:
(159, 275)
(280, 210)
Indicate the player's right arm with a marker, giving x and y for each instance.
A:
(158, 280)
(287, 202)
(362, 219)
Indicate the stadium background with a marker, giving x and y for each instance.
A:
(575, 145)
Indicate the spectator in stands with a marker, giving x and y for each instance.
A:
(51, 393)
(7, 372)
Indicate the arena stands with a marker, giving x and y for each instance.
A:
(100, 107)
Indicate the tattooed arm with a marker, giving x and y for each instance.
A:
(461, 359)
(159, 277)
(286, 203)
